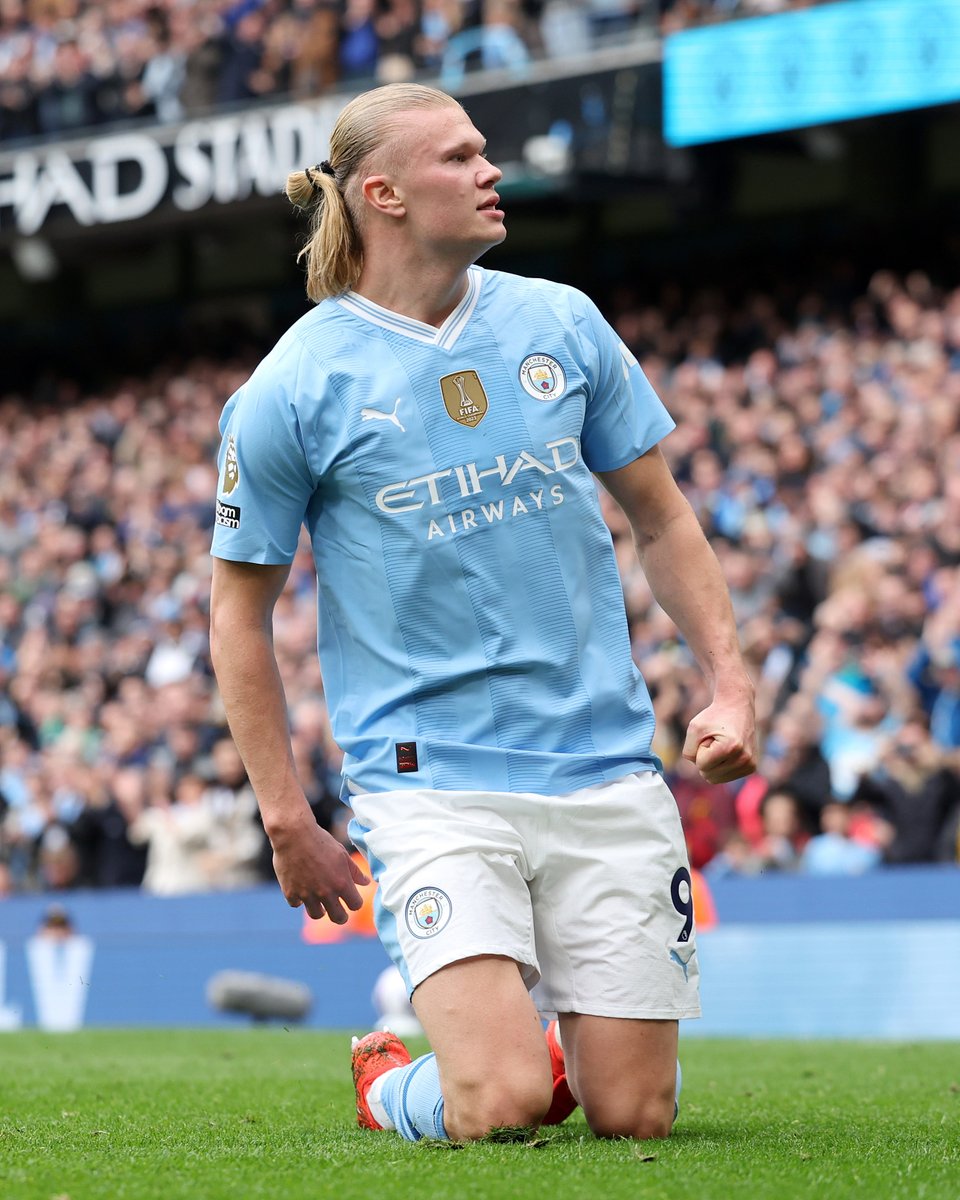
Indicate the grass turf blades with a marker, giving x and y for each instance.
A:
(245, 1114)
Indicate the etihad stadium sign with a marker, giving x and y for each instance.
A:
(126, 176)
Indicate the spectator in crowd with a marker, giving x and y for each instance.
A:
(18, 97)
(735, 857)
(934, 667)
(784, 832)
(164, 73)
(915, 789)
(57, 862)
(358, 41)
(101, 832)
(67, 98)
(835, 850)
(237, 841)
(795, 756)
(247, 70)
(440, 21)
(178, 833)
(315, 67)
(198, 37)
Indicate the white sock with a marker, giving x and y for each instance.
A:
(377, 1111)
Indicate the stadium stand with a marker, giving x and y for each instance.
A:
(69, 66)
(819, 443)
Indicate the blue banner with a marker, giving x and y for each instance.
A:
(872, 956)
(132, 959)
(834, 63)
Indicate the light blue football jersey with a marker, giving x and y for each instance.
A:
(472, 631)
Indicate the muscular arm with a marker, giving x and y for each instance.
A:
(311, 865)
(685, 577)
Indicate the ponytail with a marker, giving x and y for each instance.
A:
(333, 252)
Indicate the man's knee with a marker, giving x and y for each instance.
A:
(624, 1073)
(648, 1118)
(478, 1108)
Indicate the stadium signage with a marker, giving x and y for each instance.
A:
(59, 973)
(798, 69)
(126, 176)
(604, 110)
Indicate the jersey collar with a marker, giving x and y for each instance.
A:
(443, 338)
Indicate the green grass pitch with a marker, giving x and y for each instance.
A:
(266, 1112)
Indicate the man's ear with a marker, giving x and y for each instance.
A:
(382, 196)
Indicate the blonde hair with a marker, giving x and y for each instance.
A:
(331, 193)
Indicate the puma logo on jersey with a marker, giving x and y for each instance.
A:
(374, 414)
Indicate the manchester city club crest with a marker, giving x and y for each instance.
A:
(542, 377)
(428, 912)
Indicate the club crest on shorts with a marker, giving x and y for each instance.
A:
(464, 398)
(542, 377)
(428, 912)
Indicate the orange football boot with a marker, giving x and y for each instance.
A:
(372, 1056)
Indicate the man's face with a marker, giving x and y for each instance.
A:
(446, 185)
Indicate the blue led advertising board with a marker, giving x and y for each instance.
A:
(836, 62)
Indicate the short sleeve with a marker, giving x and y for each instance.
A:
(624, 415)
(265, 479)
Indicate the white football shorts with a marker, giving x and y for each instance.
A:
(588, 892)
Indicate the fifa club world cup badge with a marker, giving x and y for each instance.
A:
(464, 398)
(428, 912)
(542, 377)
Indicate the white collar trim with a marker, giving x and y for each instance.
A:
(443, 338)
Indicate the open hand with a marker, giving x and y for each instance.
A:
(315, 870)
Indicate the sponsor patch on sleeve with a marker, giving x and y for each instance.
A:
(228, 515)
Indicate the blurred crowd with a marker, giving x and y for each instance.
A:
(822, 455)
(71, 65)
(820, 448)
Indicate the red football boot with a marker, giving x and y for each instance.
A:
(373, 1055)
(563, 1102)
